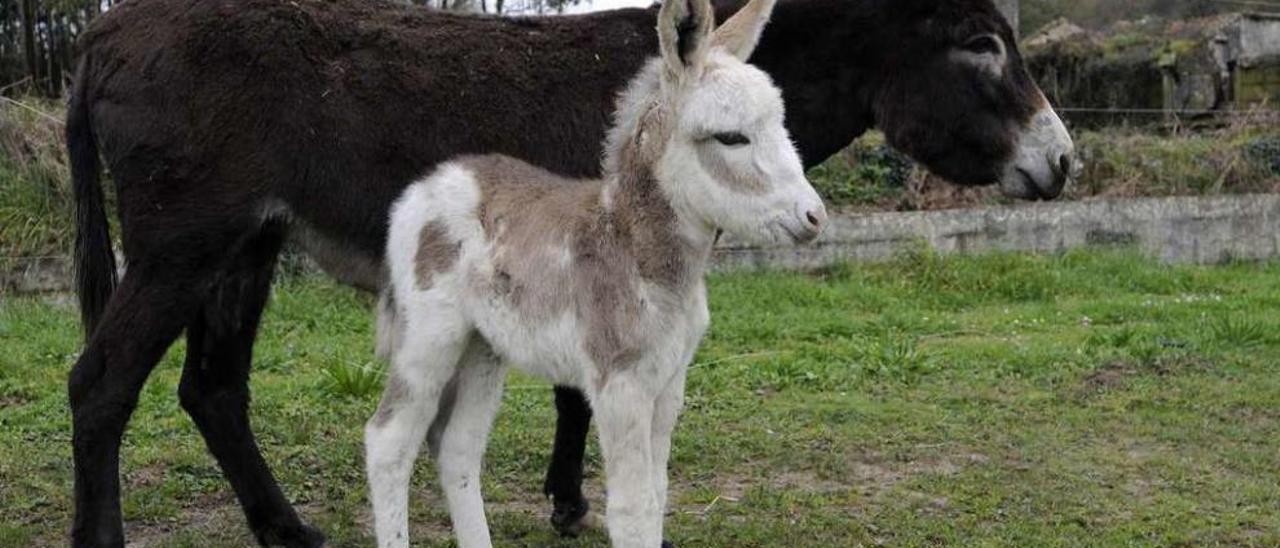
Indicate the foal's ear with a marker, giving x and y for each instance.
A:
(740, 34)
(684, 27)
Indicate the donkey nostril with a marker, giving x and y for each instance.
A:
(813, 219)
(1066, 164)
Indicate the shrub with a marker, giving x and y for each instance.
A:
(868, 173)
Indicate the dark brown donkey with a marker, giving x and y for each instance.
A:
(229, 125)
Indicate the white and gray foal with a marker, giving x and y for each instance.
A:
(593, 284)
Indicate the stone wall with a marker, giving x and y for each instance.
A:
(1176, 230)
(1188, 68)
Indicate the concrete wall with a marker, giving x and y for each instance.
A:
(1258, 40)
(1175, 230)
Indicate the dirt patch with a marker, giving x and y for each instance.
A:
(219, 519)
(1112, 375)
(146, 476)
(215, 517)
(871, 476)
(12, 401)
(1116, 374)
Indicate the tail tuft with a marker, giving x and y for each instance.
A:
(94, 259)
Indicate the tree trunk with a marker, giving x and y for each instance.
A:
(28, 9)
(50, 54)
(59, 34)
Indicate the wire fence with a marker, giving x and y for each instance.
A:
(1249, 3)
(1169, 112)
(35, 257)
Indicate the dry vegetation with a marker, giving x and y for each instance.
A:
(1099, 13)
(1128, 163)
(1124, 162)
(35, 197)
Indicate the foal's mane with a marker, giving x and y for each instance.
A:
(625, 145)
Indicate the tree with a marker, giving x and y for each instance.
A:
(29, 39)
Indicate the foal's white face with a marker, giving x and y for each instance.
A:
(728, 159)
(731, 161)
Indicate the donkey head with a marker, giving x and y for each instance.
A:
(958, 98)
(715, 130)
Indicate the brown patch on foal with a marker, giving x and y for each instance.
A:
(436, 253)
(608, 250)
(395, 393)
(716, 165)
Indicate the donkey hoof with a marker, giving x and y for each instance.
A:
(299, 535)
(569, 518)
(667, 544)
(108, 537)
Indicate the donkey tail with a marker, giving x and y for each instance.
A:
(94, 259)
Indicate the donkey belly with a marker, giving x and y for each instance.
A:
(550, 349)
(559, 347)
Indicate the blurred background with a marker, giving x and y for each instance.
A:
(1163, 97)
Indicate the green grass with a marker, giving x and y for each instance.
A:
(1091, 398)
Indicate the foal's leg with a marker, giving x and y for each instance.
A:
(666, 411)
(478, 384)
(564, 474)
(624, 408)
(421, 367)
(215, 388)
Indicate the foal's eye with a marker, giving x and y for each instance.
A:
(732, 139)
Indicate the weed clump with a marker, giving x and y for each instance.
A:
(36, 207)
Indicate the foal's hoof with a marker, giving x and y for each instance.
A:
(299, 535)
(569, 518)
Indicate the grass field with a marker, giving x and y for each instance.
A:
(1092, 398)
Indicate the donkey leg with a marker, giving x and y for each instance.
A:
(460, 451)
(564, 474)
(215, 389)
(625, 408)
(421, 368)
(146, 314)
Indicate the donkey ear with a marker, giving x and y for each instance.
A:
(740, 34)
(684, 27)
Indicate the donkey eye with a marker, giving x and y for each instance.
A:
(732, 139)
(984, 44)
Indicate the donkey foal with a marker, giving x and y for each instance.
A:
(592, 284)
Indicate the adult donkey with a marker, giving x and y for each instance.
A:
(230, 124)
